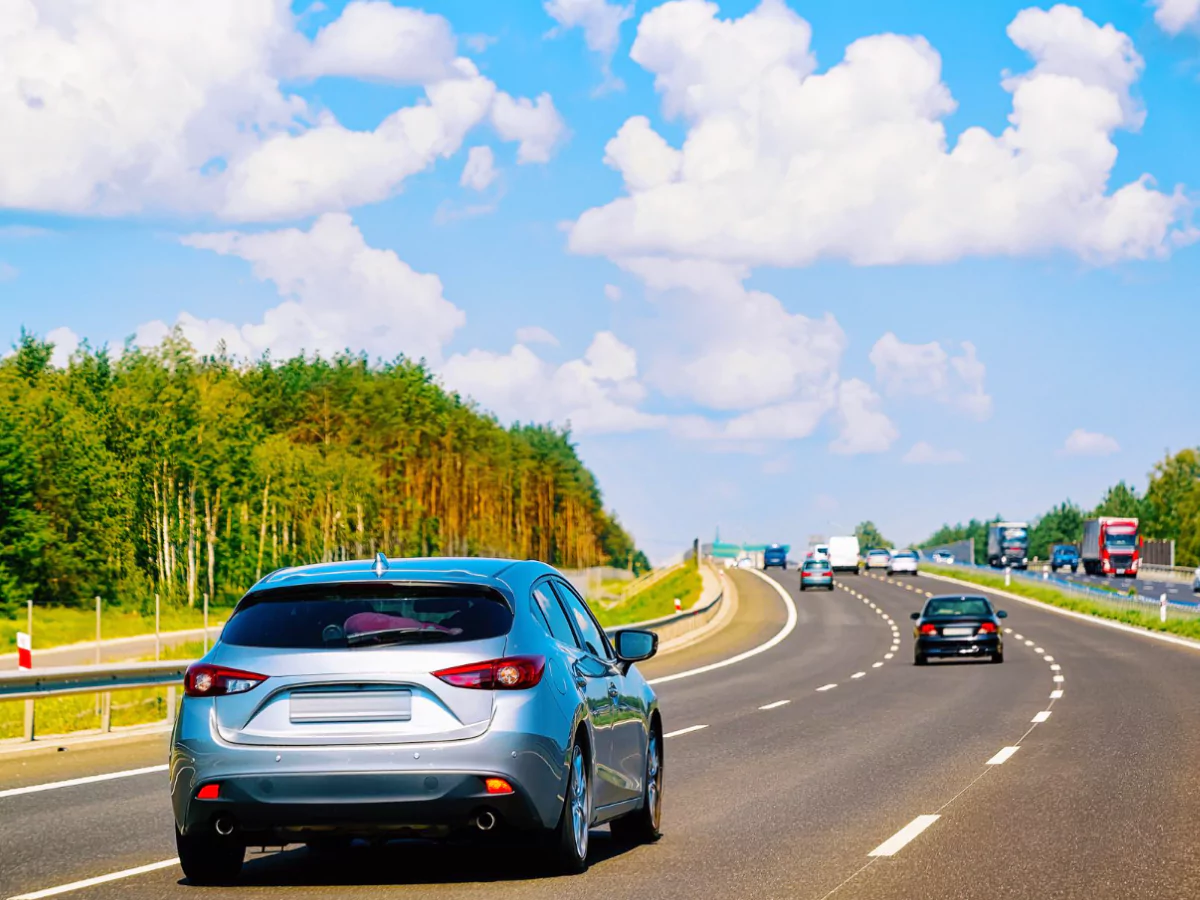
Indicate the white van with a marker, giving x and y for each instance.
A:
(843, 553)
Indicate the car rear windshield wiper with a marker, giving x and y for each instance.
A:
(395, 636)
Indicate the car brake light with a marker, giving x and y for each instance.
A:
(497, 786)
(927, 628)
(209, 792)
(987, 628)
(512, 673)
(204, 680)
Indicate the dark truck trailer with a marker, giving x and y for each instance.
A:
(1111, 546)
(1008, 545)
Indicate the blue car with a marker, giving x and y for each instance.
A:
(1064, 556)
(775, 555)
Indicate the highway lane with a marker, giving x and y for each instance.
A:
(786, 801)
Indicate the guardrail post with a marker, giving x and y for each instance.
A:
(1007, 575)
(106, 712)
(172, 703)
(29, 720)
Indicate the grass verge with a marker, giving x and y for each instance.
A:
(655, 601)
(58, 626)
(1180, 624)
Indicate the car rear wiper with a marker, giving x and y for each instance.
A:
(393, 636)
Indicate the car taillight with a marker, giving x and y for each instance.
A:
(987, 628)
(928, 629)
(204, 680)
(512, 673)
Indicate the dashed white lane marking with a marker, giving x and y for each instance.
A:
(776, 704)
(897, 841)
(1039, 649)
(888, 655)
(1019, 637)
(876, 665)
(71, 782)
(788, 627)
(1056, 668)
(1059, 678)
(1041, 717)
(1056, 695)
(827, 687)
(1048, 658)
(1029, 643)
(1008, 631)
(858, 674)
(1002, 756)
(687, 730)
(101, 879)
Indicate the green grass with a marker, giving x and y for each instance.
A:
(1180, 624)
(655, 601)
(57, 626)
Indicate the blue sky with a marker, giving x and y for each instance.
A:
(719, 317)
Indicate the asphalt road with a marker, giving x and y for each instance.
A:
(1100, 800)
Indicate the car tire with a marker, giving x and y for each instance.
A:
(998, 658)
(569, 842)
(207, 859)
(831, 587)
(644, 826)
(919, 659)
(801, 586)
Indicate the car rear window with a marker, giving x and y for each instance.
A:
(819, 565)
(958, 606)
(341, 616)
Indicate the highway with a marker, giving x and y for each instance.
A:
(826, 765)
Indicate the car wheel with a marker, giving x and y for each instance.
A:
(919, 659)
(831, 587)
(570, 847)
(802, 586)
(643, 826)
(206, 859)
(998, 658)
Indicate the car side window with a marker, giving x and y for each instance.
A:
(590, 633)
(553, 616)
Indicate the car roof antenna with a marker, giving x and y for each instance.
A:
(381, 565)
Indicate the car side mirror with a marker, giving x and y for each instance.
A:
(1001, 614)
(914, 615)
(635, 645)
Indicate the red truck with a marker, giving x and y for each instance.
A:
(1111, 546)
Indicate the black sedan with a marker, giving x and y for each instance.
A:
(961, 627)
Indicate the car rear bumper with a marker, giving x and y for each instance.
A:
(816, 582)
(959, 647)
(291, 808)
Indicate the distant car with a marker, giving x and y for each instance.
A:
(428, 697)
(816, 573)
(1196, 582)
(745, 562)
(775, 555)
(878, 559)
(1064, 556)
(958, 626)
(905, 561)
(941, 556)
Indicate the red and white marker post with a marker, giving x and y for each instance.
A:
(678, 605)
(24, 650)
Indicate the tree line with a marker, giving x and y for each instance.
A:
(162, 471)
(1169, 509)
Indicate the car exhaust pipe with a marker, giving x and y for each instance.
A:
(486, 820)
(225, 825)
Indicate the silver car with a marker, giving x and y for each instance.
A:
(902, 561)
(434, 698)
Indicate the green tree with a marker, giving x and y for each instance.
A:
(869, 537)
(1120, 500)
(1063, 524)
(1172, 504)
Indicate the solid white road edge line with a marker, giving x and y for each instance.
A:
(897, 841)
(788, 627)
(1003, 756)
(776, 704)
(100, 879)
(687, 730)
(71, 782)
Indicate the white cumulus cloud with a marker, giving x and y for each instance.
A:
(599, 19)
(596, 393)
(863, 427)
(65, 342)
(480, 170)
(781, 165)
(1173, 16)
(927, 370)
(114, 108)
(535, 334)
(338, 294)
(924, 453)
(1081, 442)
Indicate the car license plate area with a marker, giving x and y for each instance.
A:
(958, 632)
(350, 706)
